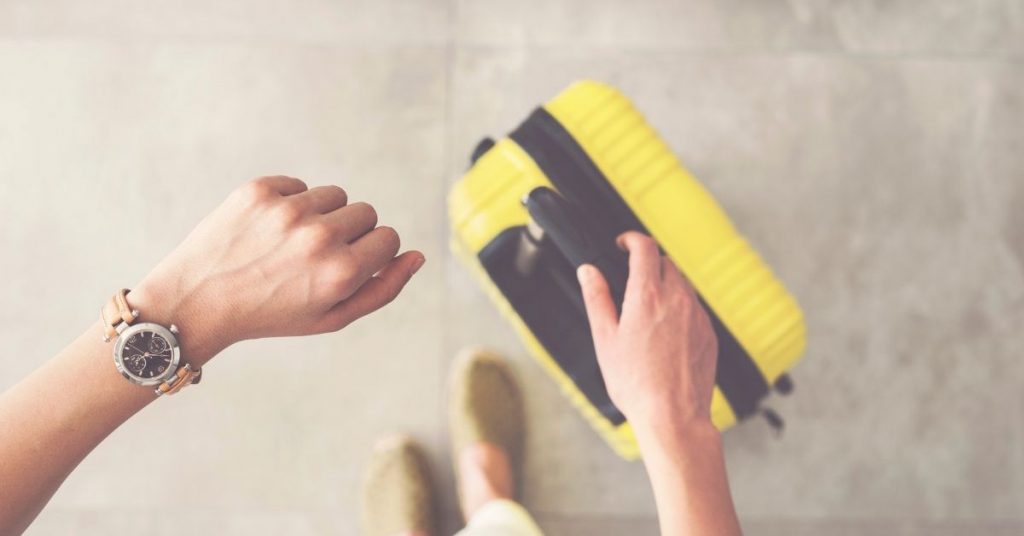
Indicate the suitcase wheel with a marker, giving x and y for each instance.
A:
(482, 147)
(784, 385)
(774, 421)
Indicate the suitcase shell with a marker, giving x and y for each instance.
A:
(677, 211)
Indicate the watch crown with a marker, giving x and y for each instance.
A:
(174, 329)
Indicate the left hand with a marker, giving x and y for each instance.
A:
(276, 258)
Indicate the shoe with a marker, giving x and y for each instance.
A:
(397, 495)
(485, 405)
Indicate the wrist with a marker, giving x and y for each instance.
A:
(675, 435)
(160, 301)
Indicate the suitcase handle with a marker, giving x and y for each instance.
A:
(582, 239)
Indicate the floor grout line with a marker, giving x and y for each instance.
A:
(752, 52)
(445, 496)
(453, 43)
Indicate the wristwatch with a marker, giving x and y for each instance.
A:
(146, 353)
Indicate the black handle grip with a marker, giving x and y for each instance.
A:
(580, 237)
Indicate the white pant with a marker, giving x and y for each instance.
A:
(501, 518)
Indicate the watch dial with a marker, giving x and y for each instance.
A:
(146, 354)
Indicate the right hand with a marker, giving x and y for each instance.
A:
(658, 359)
(276, 258)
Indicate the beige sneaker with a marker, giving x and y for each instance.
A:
(486, 406)
(397, 495)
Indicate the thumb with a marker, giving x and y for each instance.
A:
(598, 301)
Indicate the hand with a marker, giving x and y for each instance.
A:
(658, 359)
(275, 259)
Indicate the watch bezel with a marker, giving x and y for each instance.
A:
(172, 342)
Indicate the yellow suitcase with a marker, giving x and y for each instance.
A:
(590, 154)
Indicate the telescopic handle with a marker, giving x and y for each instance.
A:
(580, 237)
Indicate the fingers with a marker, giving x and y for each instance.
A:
(644, 260)
(377, 292)
(374, 250)
(598, 300)
(322, 199)
(353, 221)
(282, 185)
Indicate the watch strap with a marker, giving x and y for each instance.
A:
(117, 314)
(182, 378)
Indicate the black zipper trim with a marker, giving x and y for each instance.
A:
(573, 173)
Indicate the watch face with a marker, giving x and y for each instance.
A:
(146, 354)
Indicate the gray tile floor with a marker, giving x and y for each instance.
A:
(872, 151)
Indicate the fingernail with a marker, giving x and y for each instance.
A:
(418, 263)
(585, 273)
(621, 242)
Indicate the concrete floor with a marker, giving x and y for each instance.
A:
(872, 151)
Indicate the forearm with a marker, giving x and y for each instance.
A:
(53, 418)
(686, 467)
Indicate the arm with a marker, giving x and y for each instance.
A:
(658, 360)
(275, 259)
